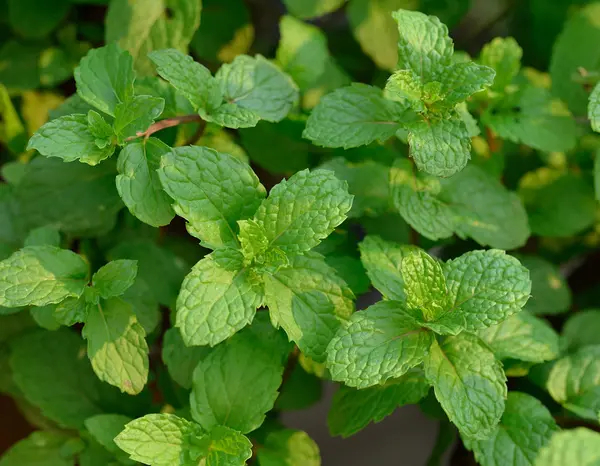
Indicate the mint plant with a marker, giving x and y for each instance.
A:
(209, 212)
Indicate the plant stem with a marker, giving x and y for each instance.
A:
(168, 123)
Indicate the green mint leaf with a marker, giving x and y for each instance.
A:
(34, 20)
(104, 428)
(439, 147)
(221, 446)
(523, 337)
(139, 185)
(253, 239)
(550, 293)
(581, 329)
(69, 138)
(40, 275)
(105, 78)
(304, 10)
(190, 78)
(406, 84)
(503, 54)
(150, 25)
(462, 80)
(44, 316)
(579, 446)
(40, 448)
(12, 130)
(468, 382)
(43, 236)
(549, 196)
(212, 191)
(144, 303)
(181, 360)
(48, 369)
(573, 382)
(259, 86)
(532, 117)
(100, 129)
(594, 108)
(232, 116)
(156, 439)
(116, 345)
(353, 116)
(382, 260)
(382, 342)
(424, 45)
(217, 299)
(486, 287)
(303, 210)
(114, 278)
(71, 311)
(135, 116)
(289, 447)
(352, 410)
(525, 427)
(424, 284)
(249, 366)
(302, 51)
(309, 301)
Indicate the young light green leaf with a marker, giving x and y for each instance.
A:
(104, 428)
(246, 367)
(550, 293)
(354, 116)
(594, 108)
(289, 447)
(352, 410)
(212, 191)
(259, 86)
(40, 275)
(486, 287)
(424, 45)
(578, 446)
(156, 439)
(526, 427)
(48, 369)
(217, 299)
(303, 210)
(523, 337)
(116, 345)
(379, 343)
(221, 446)
(424, 284)
(100, 129)
(574, 382)
(253, 239)
(190, 78)
(181, 360)
(43, 236)
(461, 80)
(105, 78)
(309, 301)
(69, 138)
(134, 116)
(503, 54)
(382, 260)
(114, 278)
(302, 51)
(439, 147)
(468, 382)
(581, 329)
(139, 185)
(40, 448)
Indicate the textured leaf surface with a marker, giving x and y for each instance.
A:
(468, 382)
(503, 54)
(211, 191)
(134, 116)
(289, 447)
(139, 185)
(594, 108)
(461, 80)
(487, 287)
(237, 383)
(303, 210)
(352, 410)
(105, 78)
(69, 139)
(379, 343)
(40, 275)
(114, 278)
(525, 427)
(156, 439)
(353, 116)
(220, 447)
(309, 301)
(116, 345)
(579, 446)
(217, 299)
(574, 382)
